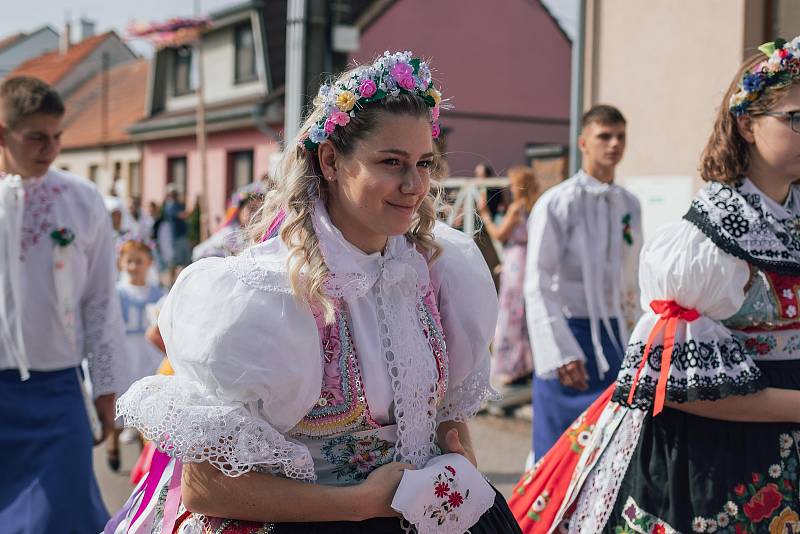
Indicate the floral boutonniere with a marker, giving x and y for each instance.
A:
(62, 236)
(627, 235)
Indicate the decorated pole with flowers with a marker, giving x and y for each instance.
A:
(172, 34)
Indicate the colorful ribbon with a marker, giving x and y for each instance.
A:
(274, 226)
(671, 313)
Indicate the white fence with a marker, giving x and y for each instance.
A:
(468, 191)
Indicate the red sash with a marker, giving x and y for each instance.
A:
(671, 313)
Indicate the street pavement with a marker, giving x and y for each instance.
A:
(501, 446)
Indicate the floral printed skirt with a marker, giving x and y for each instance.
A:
(623, 471)
(693, 474)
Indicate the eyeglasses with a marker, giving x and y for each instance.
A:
(793, 116)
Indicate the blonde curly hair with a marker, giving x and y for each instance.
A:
(299, 183)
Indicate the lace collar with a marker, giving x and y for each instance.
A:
(353, 271)
(745, 223)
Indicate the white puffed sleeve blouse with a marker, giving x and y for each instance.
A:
(709, 362)
(249, 363)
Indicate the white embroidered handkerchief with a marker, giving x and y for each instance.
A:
(447, 496)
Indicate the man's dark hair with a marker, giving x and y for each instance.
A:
(602, 114)
(23, 96)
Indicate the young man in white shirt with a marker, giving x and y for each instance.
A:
(58, 305)
(581, 289)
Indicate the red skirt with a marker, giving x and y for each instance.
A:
(540, 495)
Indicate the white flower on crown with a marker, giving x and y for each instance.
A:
(774, 63)
(425, 74)
(325, 92)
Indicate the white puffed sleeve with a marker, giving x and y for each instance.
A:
(467, 302)
(247, 370)
(708, 362)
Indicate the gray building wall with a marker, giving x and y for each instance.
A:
(118, 52)
(35, 44)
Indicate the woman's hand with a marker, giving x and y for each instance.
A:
(452, 443)
(378, 490)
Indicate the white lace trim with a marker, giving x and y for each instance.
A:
(464, 401)
(599, 493)
(356, 285)
(412, 367)
(194, 427)
(249, 272)
(102, 355)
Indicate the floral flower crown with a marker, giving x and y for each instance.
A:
(390, 74)
(781, 68)
(253, 191)
(138, 239)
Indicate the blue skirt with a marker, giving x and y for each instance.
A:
(47, 482)
(555, 406)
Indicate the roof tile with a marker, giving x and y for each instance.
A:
(84, 119)
(53, 66)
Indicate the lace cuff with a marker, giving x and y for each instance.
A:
(702, 368)
(192, 426)
(464, 401)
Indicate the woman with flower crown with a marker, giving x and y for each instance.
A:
(231, 236)
(701, 432)
(347, 348)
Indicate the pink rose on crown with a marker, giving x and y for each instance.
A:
(407, 83)
(403, 74)
(436, 130)
(339, 118)
(367, 88)
(329, 127)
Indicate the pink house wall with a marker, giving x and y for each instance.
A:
(504, 66)
(156, 154)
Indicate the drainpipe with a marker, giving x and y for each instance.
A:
(576, 89)
(295, 67)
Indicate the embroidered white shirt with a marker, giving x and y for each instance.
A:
(584, 239)
(84, 272)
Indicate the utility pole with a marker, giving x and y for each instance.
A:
(105, 60)
(295, 68)
(576, 89)
(201, 133)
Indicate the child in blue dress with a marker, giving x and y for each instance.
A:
(137, 298)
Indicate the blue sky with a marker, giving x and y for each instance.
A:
(27, 15)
